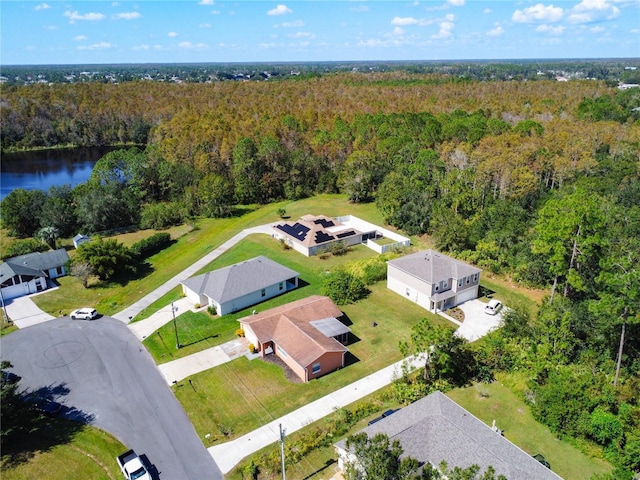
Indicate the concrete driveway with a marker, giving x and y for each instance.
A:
(477, 323)
(24, 313)
(99, 371)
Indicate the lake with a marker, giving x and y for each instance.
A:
(39, 170)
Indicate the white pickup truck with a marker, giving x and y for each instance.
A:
(132, 467)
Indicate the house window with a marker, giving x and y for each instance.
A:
(460, 282)
(475, 277)
(263, 292)
(468, 280)
(445, 284)
(315, 368)
(437, 287)
(59, 270)
(281, 286)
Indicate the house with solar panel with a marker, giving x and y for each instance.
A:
(241, 285)
(433, 280)
(313, 234)
(307, 335)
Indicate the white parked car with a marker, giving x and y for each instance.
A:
(84, 314)
(493, 307)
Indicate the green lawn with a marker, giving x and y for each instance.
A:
(237, 397)
(90, 453)
(198, 331)
(189, 246)
(496, 402)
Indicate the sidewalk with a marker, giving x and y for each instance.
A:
(229, 454)
(182, 368)
(127, 314)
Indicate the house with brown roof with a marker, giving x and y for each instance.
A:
(436, 429)
(240, 285)
(306, 334)
(433, 280)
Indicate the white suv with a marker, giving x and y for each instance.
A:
(84, 314)
(493, 307)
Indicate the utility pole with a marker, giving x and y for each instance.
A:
(284, 477)
(175, 326)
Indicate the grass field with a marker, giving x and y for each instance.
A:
(494, 401)
(89, 453)
(190, 245)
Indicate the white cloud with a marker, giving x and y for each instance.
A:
(127, 16)
(360, 8)
(75, 16)
(280, 10)
(596, 29)
(538, 13)
(205, 25)
(588, 11)
(206, 2)
(551, 30)
(294, 24)
(267, 45)
(449, 17)
(495, 32)
(141, 47)
(96, 46)
(445, 30)
(42, 6)
(487, 11)
(192, 46)
(634, 30)
(398, 31)
(79, 38)
(172, 34)
(404, 21)
(302, 35)
(456, 3)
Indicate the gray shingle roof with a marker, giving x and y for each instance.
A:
(33, 264)
(435, 428)
(432, 266)
(240, 279)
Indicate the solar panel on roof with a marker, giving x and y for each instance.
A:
(324, 222)
(322, 237)
(297, 230)
(346, 234)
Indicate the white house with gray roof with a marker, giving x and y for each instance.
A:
(433, 280)
(31, 273)
(241, 285)
(436, 429)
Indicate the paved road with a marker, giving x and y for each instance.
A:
(112, 379)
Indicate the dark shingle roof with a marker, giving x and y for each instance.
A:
(432, 266)
(435, 428)
(33, 264)
(240, 279)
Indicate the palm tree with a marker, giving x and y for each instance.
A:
(48, 235)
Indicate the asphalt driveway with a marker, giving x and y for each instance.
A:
(99, 371)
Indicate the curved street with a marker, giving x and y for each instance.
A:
(101, 374)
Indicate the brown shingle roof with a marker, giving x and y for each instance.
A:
(289, 327)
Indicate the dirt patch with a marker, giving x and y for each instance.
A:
(288, 373)
(456, 314)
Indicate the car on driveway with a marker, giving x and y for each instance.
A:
(493, 307)
(84, 314)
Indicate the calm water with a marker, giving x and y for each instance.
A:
(43, 169)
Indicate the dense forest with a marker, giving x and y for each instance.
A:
(535, 180)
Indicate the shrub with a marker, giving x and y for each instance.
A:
(252, 348)
(161, 215)
(22, 247)
(212, 310)
(151, 245)
(240, 332)
(281, 212)
(343, 287)
(338, 248)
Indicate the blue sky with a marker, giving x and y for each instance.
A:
(150, 31)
